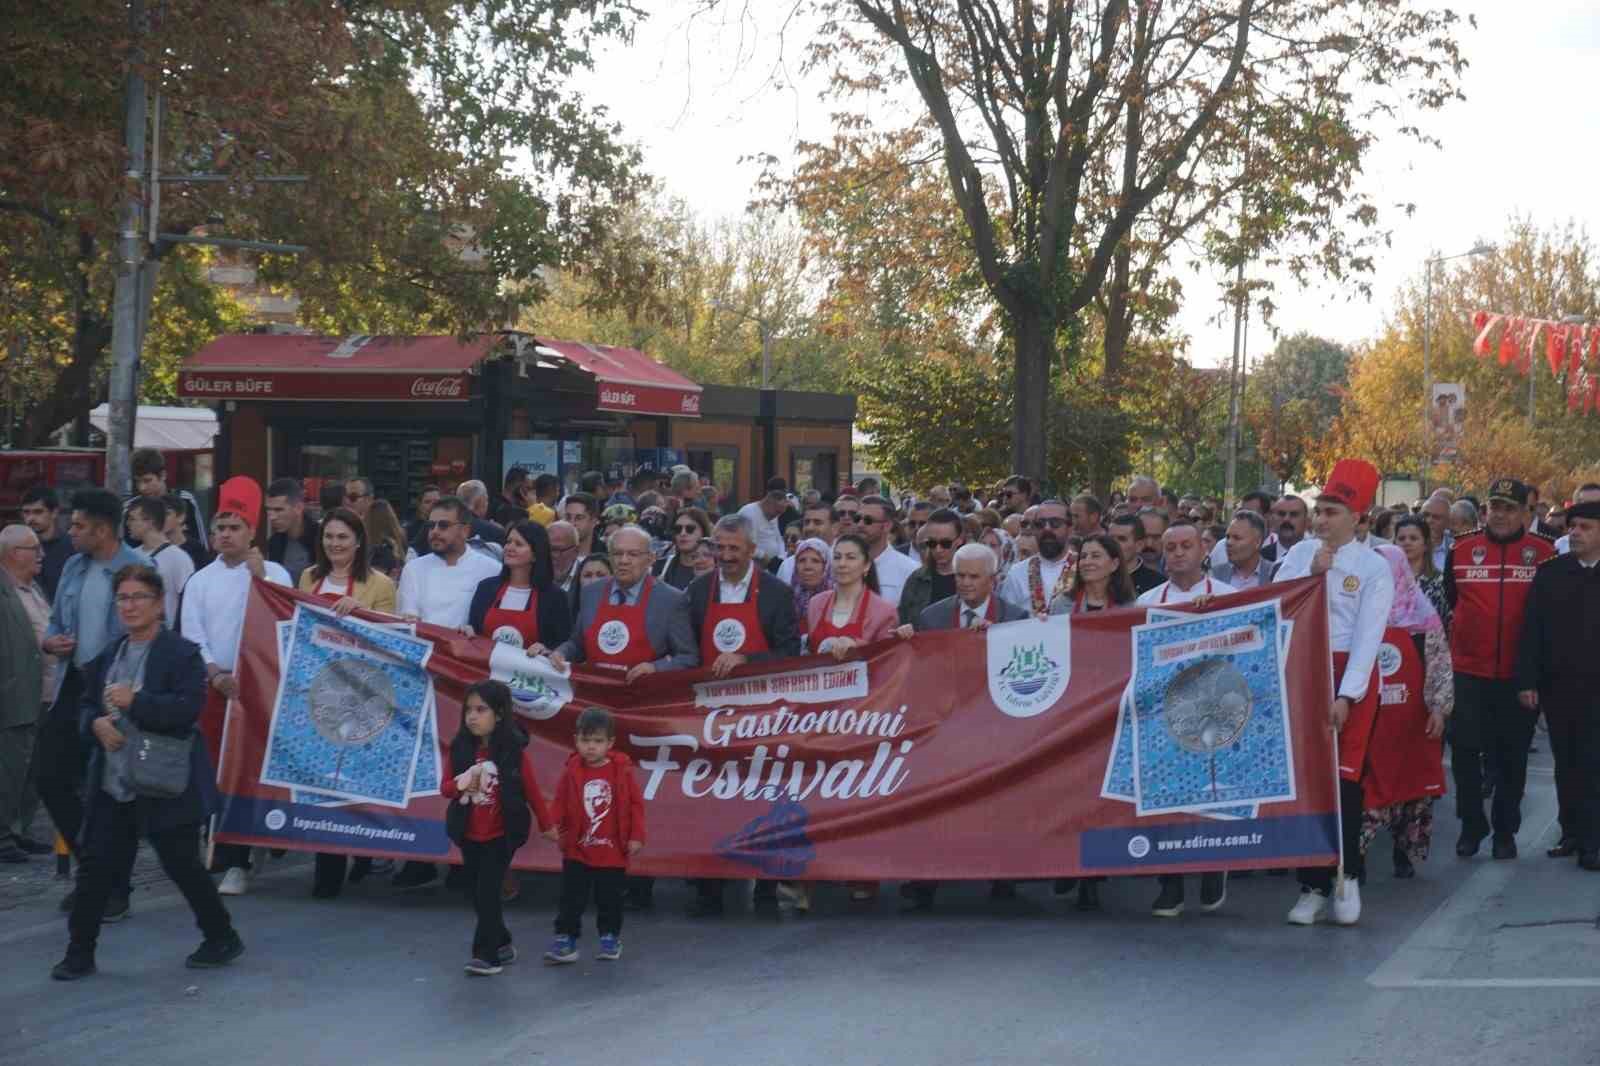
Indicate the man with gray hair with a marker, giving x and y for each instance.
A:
(486, 536)
(1436, 512)
(24, 615)
(1143, 491)
(630, 623)
(741, 614)
(1464, 518)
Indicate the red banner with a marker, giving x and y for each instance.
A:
(322, 385)
(952, 755)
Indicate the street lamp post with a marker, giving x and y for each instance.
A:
(1427, 345)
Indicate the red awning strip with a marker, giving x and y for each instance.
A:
(630, 380)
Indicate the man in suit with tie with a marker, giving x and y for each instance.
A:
(975, 605)
(632, 624)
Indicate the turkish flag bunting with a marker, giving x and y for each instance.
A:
(1555, 350)
(1484, 323)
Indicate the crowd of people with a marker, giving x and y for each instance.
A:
(123, 618)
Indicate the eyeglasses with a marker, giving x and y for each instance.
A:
(942, 543)
(134, 597)
(868, 520)
(555, 550)
(690, 528)
(848, 516)
(1050, 523)
(444, 523)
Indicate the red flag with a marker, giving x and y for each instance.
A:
(1555, 350)
(1574, 349)
(1480, 346)
(1511, 342)
(1479, 320)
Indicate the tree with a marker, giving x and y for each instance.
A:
(1292, 398)
(409, 117)
(1079, 139)
(1543, 272)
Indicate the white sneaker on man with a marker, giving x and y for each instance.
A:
(236, 882)
(1347, 906)
(1310, 908)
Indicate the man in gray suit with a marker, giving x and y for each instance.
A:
(631, 622)
(1244, 567)
(976, 605)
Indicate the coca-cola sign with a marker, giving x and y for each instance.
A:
(648, 400)
(438, 388)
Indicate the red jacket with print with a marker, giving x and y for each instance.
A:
(627, 800)
(1488, 581)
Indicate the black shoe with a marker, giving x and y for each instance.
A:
(1505, 846)
(1063, 886)
(117, 908)
(1565, 847)
(1213, 890)
(1403, 869)
(213, 953)
(13, 855)
(1589, 860)
(1088, 895)
(1169, 904)
(1002, 890)
(70, 969)
(415, 875)
(32, 846)
(67, 901)
(1468, 843)
(706, 907)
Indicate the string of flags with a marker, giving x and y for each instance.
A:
(1569, 347)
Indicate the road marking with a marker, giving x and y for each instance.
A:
(1450, 930)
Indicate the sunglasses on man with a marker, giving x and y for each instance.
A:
(942, 543)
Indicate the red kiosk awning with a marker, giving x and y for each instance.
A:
(630, 381)
(281, 366)
(268, 366)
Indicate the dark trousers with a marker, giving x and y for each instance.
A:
(483, 866)
(60, 757)
(109, 843)
(1355, 864)
(579, 881)
(1575, 746)
(1489, 722)
(16, 777)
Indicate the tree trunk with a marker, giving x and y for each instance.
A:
(71, 395)
(1030, 443)
(1119, 320)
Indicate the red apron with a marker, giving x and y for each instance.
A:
(1357, 731)
(855, 629)
(617, 638)
(1403, 762)
(516, 628)
(733, 627)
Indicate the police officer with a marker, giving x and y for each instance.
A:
(1558, 672)
(1487, 577)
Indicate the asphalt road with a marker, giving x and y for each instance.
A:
(1471, 963)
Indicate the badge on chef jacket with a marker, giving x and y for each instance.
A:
(1479, 554)
(509, 635)
(728, 635)
(1352, 583)
(1528, 555)
(613, 637)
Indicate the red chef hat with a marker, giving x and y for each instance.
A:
(1354, 483)
(240, 496)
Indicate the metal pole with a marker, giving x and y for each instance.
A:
(766, 355)
(1427, 371)
(1532, 376)
(130, 257)
(1232, 469)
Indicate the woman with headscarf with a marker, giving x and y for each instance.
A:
(813, 574)
(1404, 770)
(1000, 542)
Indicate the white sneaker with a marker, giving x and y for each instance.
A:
(1347, 908)
(1310, 908)
(236, 882)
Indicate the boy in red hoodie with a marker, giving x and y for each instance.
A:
(599, 822)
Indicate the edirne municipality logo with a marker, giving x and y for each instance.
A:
(1028, 665)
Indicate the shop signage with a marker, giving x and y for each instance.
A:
(648, 400)
(298, 385)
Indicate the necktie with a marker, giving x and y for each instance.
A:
(622, 597)
(972, 619)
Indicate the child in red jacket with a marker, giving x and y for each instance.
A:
(490, 788)
(599, 821)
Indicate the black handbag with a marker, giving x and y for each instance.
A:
(157, 765)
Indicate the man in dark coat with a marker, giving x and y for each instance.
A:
(740, 614)
(155, 679)
(1558, 673)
